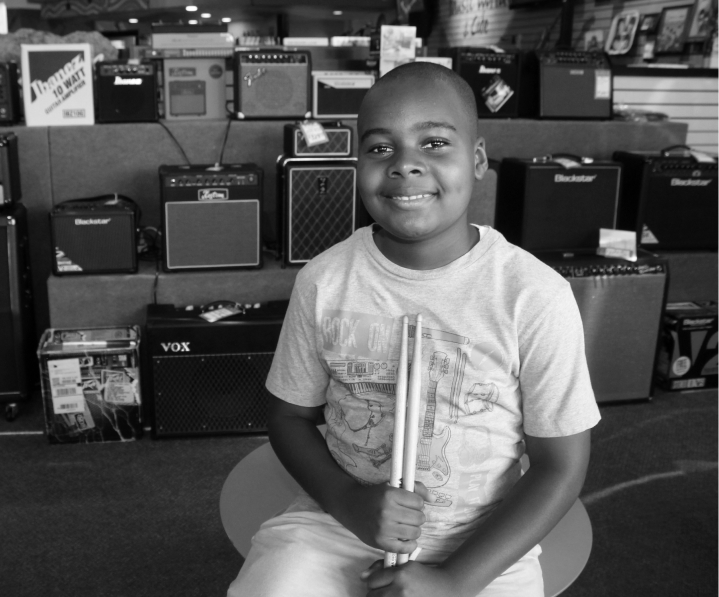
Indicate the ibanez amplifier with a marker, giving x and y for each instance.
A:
(125, 92)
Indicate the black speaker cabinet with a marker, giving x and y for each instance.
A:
(94, 237)
(209, 378)
(318, 205)
(339, 141)
(544, 206)
(673, 195)
(17, 335)
(621, 304)
(125, 92)
(272, 84)
(10, 191)
(339, 94)
(10, 106)
(211, 217)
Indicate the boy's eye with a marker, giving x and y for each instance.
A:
(434, 144)
(381, 149)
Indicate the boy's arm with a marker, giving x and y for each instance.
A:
(531, 509)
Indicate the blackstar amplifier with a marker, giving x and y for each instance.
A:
(209, 378)
(10, 106)
(673, 195)
(10, 190)
(125, 92)
(543, 205)
(195, 88)
(339, 141)
(338, 94)
(572, 84)
(17, 335)
(94, 236)
(272, 84)
(621, 305)
(211, 216)
(318, 205)
(496, 79)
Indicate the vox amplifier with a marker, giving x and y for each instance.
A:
(338, 94)
(671, 194)
(10, 191)
(318, 205)
(195, 88)
(339, 141)
(621, 305)
(209, 378)
(94, 236)
(211, 217)
(125, 92)
(10, 106)
(544, 206)
(272, 84)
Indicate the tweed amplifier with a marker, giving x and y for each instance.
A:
(211, 216)
(125, 92)
(621, 306)
(195, 88)
(338, 144)
(272, 84)
(673, 195)
(209, 378)
(94, 236)
(10, 191)
(10, 105)
(543, 205)
(338, 94)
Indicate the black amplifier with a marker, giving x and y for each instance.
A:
(621, 305)
(670, 198)
(94, 236)
(10, 191)
(572, 84)
(496, 79)
(339, 94)
(543, 205)
(203, 378)
(338, 144)
(211, 216)
(10, 106)
(125, 92)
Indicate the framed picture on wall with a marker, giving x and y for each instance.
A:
(622, 31)
(649, 23)
(671, 31)
(700, 21)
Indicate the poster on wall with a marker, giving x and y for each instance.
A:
(622, 31)
(57, 84)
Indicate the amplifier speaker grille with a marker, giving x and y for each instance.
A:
(266, 90)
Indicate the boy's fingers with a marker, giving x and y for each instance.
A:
(424, 493)
(376, 565)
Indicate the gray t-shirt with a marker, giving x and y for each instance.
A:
(502, 355)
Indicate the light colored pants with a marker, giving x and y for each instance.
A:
(309, 554)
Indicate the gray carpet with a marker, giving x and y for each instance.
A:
(141, 519)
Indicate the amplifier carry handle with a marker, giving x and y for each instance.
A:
(668, 150)
(551, 157)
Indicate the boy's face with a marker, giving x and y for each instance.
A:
(419, 155)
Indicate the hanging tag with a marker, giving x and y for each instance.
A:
(314, 133)
(567, 162)
(699, 156)
(618, 243)
(220, 313)
(602, 84)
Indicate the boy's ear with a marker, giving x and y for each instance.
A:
(480, 159)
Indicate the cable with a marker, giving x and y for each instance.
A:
(169, 132)
(224, 142)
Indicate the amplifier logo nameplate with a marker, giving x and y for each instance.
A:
(213, 194)
(489, 71)
(689, 182)
(574, 178)
(175, 346)
(322, 184)
(121, 81)
(250, 77)
(92, 221)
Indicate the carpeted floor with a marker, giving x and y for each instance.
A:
(141, 519)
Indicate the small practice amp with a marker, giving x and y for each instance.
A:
(542, 205)
(10, 106)
(10, 191)
(621, 305)
(195, 88)
(125, 92)
(338, 145)
(496, 79)
(94, 236)
(211, 216)
(209, 378)
(318, 205)
(572, 84)
(674, 195)
(339, 94)
(272, 84)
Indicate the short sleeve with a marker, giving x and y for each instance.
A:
(557, 396)
(297, 375)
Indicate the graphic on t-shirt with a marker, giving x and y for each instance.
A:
(443, 500)
(487, 357)
(430, 334)
(377, 456)
(336, 428)
(459, 366)
(431, 454)
(374, 416)
(360, 335)
(364, 377)
(481, 398)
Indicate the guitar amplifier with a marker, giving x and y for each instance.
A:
(673, 196)
(338, 145)
(206, 378)
(10, 105)
(339, 94)
(211, 217)
(10, 191)
(125, 92)
(195, 88)
(542, 205)
(272, 84)
(621, 305)
(496, 79)
(94, 236)
(318, 205)
(572, 84)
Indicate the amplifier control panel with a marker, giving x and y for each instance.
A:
(585, 271)
(202, 180)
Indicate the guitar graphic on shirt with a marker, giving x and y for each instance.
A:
(431, 450)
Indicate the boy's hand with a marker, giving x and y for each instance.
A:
(411, 578)
(385, 517)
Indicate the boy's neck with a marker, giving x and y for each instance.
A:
(426, 254)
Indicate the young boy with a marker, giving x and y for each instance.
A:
(503, 372)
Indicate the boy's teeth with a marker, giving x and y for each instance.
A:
(411, 197)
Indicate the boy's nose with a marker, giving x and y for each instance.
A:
(406, 163)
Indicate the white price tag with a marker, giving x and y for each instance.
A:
(603, 84)
(314, 133)
(66, 386)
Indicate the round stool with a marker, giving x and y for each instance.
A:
(259, 487)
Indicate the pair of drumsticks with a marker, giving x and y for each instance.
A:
(406, 418)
